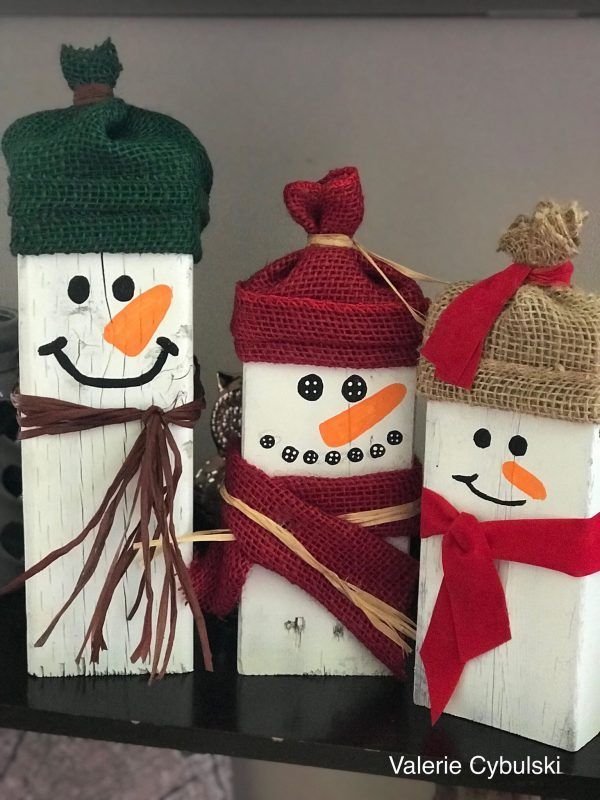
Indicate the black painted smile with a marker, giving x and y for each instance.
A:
(469, 480)
(55, 348)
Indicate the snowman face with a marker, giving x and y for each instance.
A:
(107, 321)
(499, 464)
(310, 420)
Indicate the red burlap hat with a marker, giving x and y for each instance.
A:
(325, 304)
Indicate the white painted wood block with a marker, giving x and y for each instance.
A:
(65, 477)
(282, 630)
(543, 683)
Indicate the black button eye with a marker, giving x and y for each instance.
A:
(482, 437)
(310, 387)
(354, 388)
(79, 289)
(123, 288)
(518, 446)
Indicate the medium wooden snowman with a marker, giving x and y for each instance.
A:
(509, 587)
(107, 203)
(329, 355)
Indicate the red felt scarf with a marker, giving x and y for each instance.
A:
(470, 615)
(456, 343)
(308, 507)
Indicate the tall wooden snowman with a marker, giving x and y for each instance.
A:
(509, 589)
(107, 203)
(329, 371)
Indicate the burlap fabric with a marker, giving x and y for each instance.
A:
(327, 305)
(103, 175)
(542, 355)
(308, 507)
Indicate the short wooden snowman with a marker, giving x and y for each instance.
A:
(509, 589)
(107, 203)
(329, 372)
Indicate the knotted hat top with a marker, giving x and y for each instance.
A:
(103, 175)
(325, 304)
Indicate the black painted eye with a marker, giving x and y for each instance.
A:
(123, 288)
(79, 289)
(310, 387)
(518, 446)
(482, 437)
(354, 388)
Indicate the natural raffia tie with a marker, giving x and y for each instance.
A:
(386, 619)
(342, 240)
(156, 461)
(366, 519)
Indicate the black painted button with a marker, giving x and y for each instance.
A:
(356, 454)
(78, 289)
(377, 450)
(310, 457)
(394, 437)
(518, 445)
(123, 288)
(354, 388)
(267, 441)
(310, 387)
(289, 454)
(333, 457)
(482, 437)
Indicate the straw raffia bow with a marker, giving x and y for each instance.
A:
(156, 460)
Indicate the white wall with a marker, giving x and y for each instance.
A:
(456, 125)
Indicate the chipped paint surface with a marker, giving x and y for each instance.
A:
(65, 477)
(543, 683)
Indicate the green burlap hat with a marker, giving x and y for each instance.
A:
(103, 175)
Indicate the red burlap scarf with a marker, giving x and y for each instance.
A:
(308, 507)
(156, 461)
(456, 343)
(470, 615)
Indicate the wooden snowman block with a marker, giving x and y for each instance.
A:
(317, 421)
(501, 465)
(99, 330)
(509, 588)
(329, 356)
(107, 202)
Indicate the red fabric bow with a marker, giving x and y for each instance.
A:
(470, 615)
(456, 343)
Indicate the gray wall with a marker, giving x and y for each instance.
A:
(455, 125)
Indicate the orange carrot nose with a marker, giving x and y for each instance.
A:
(133, 327)
(348, 425)
(524, 480)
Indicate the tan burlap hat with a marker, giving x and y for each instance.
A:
(542, 353)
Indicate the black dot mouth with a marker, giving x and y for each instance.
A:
(469, 481)
(56, 349)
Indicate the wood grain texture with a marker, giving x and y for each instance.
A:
(282, 630)
(542, 684)
(65, 477)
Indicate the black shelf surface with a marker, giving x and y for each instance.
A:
(341, 723)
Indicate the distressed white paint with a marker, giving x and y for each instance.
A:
(282, 630)
(65, 477)
(543, 683)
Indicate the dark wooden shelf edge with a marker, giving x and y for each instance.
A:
(303, 753)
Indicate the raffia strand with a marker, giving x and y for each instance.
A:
(342, 240)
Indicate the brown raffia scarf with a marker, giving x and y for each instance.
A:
(156, 461)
